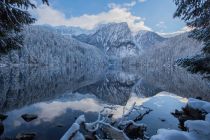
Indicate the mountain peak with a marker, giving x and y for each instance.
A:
(147, 39)
(114, 39)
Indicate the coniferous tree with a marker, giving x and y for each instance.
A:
(196, 14)
(13, 16)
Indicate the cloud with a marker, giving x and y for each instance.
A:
(161, 25)
(171, 34)
(142, 0)
(124, 5)
(48, 15)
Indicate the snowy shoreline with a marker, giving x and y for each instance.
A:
(196, 129)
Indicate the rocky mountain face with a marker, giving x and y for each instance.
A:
(144, 48)
(115, 39)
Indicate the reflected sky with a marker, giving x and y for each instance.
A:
(51, 114)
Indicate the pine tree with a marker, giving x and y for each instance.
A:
(196, 14)
(13, 17)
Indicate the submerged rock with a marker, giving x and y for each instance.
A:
(26, 136)
(135, 131)
(1, 128)
(29, 117)
(3, 117)
(60, 125)
(162, 119)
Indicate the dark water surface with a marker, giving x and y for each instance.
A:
(59, 95)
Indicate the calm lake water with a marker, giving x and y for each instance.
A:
(59, 95)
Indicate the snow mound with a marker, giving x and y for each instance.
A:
(207, 117)
(199, 126)
(164, 134)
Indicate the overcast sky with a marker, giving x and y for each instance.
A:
(154, 15)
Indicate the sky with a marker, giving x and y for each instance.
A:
(153, 15)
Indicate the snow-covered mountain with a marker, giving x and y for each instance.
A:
(44, 46)
(47, 45)
(148, 39)
(170, 50)
(115, 39)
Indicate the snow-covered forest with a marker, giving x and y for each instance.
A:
(43, 46)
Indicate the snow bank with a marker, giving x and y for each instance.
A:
(199, 126)
(197, 129)
(198, 104)
(207, 117)
(164, 134)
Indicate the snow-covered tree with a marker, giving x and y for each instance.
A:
(196, 14)
(13, 16)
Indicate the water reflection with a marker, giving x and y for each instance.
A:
(170, 79)
(59, 95)
(54, 117)
(24, 86)
(162, 105)
(114, 89)
(64, 110)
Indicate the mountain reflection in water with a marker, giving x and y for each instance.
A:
(59, 95)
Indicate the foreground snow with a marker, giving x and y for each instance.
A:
(197, 129)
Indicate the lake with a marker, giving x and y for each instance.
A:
(58, 95)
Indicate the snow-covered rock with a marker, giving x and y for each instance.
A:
(198, 126)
